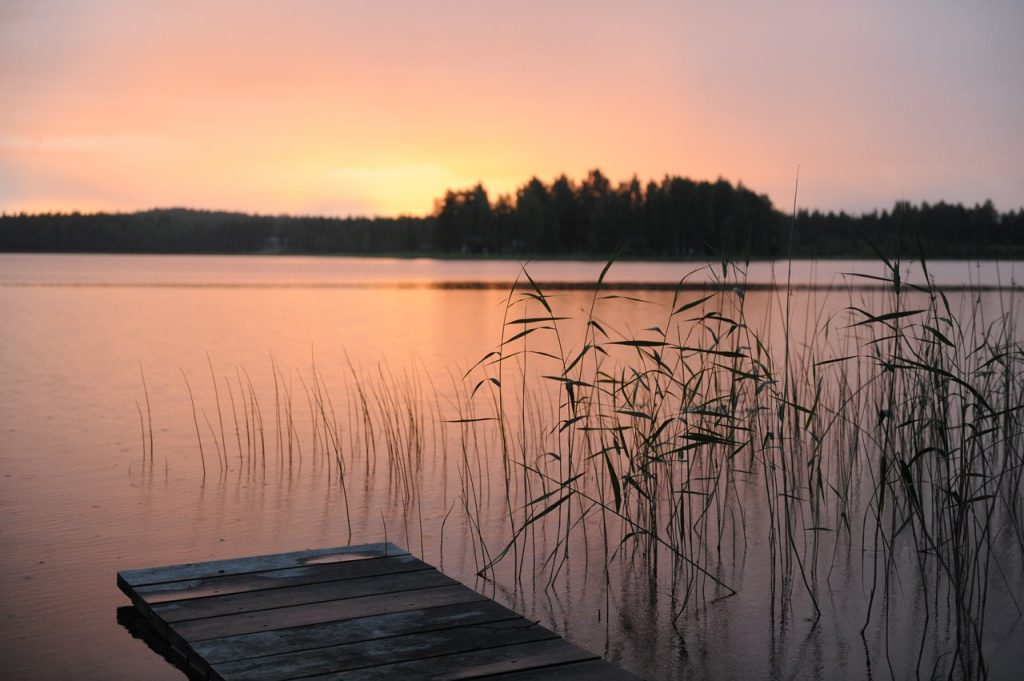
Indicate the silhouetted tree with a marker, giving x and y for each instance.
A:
(673, 218)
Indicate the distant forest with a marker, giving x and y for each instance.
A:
(675, 218)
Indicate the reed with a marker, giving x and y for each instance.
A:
(883, 437)
(145, 423)
(195, 420)
(657, 437)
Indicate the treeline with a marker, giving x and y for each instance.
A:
(179, 230)
(674, 218)
(940, 230)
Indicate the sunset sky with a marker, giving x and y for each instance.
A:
(345, 107)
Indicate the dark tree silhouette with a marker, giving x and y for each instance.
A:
(674, 218)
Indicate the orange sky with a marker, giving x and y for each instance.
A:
(353, 107)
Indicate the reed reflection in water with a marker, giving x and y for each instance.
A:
(330, 415)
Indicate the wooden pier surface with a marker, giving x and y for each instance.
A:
(356, 612)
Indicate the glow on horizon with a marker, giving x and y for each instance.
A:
(345, 107)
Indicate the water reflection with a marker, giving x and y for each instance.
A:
(135, 624)
(351, 388)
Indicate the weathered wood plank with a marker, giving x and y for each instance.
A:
(328, 611)
(221, 585)
(591, 670)
(435, 645)
(360, 612)
(184, 571)
(294, 639)
(266, 599)
(473, 664)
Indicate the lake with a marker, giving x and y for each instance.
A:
(167, 409)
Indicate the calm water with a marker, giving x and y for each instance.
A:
(81, 497)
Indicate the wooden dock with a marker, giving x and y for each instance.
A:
(354, 613)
